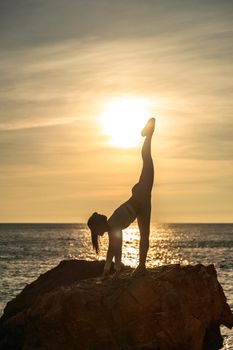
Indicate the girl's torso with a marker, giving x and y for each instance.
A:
(122, 217)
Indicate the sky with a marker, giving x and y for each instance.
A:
(63, 62)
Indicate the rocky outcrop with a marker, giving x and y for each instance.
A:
(69, 308)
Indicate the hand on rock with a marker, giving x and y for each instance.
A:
(105, 275)
(116, 275)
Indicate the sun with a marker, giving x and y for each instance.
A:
(123, 120)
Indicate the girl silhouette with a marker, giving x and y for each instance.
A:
(137, 206)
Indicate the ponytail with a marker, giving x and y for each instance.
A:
(93, 223)
(95, 241)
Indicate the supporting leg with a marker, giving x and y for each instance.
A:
(144, 228)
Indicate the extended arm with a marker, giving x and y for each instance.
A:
(108, 262)
(114, 250)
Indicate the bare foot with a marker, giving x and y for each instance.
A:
(149, 127)
(140, 271)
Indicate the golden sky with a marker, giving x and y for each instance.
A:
(64, 62)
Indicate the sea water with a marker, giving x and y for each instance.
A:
(27, 250)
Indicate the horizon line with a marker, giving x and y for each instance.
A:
(83, 223)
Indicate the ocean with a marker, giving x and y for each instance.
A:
(27, 250)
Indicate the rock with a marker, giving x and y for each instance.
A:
(69, 308)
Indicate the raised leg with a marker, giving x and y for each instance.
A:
(142, 190)
(146, 179)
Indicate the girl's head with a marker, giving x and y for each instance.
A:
(98, 225)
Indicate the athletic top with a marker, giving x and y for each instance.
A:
(122, 217)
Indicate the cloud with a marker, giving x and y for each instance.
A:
(53, 21)
(62, 61)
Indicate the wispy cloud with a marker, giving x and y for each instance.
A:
(60, 63)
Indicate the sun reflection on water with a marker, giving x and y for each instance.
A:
(163, 248)
(26, 252)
